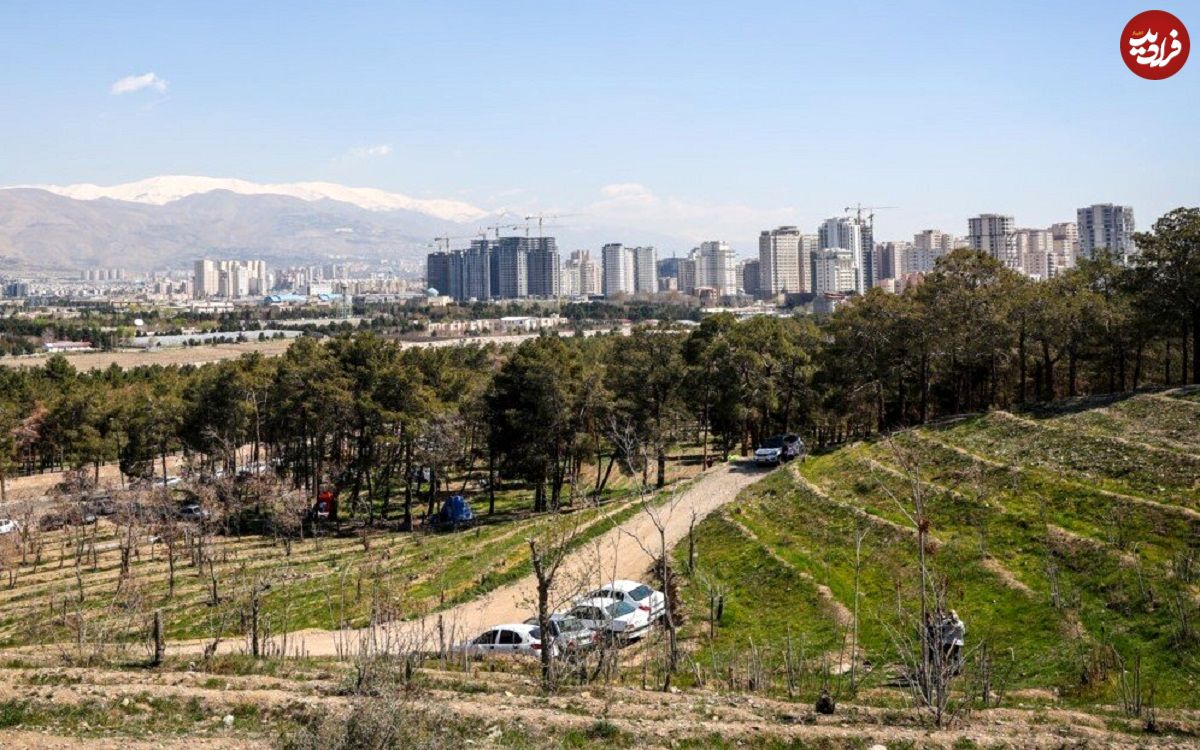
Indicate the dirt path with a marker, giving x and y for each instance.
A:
(624, 552)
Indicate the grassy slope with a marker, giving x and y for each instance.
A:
(326, 583)
(1094, 500)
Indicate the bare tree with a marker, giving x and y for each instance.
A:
(547, 552)
(659, 511)
(937, 660)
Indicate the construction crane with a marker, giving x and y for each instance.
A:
(541, 218)
(858, 209)
(447, 239)
(497, 227)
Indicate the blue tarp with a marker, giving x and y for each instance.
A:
(456, 511)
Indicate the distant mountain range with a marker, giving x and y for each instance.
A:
(168, 222)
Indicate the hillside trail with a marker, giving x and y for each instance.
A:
(627, 551)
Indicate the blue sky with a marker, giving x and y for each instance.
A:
(695, 119)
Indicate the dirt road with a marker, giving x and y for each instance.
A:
(624, 552)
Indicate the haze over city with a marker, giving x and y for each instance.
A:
(692, 120)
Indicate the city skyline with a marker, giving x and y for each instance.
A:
(707, 145)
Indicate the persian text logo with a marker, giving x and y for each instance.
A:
(1155, 44)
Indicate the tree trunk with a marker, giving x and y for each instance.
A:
(1196, 343)
(1021, 358)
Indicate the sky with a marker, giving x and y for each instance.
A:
(694, 119)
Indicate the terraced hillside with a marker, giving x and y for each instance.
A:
(1068, 540)
(95, 585)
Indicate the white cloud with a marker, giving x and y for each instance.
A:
(370, 152)
(130, 84)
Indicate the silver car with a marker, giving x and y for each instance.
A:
(570, 633)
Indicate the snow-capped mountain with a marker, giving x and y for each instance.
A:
(166, 189)
(168, 222)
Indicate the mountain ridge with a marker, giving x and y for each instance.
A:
(164, 189)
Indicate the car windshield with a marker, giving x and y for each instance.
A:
(775, 442)
(536, 634)
(568, 625)
(640, 593)
(617, 609)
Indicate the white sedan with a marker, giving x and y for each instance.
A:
(518, 638)
(9, 526)
(615, 618)
(652, 602)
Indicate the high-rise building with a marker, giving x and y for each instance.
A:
(995, 235)
(1066, 238)
(669, 267)
(688, 275)
(809, 244)
(645, 269)
(543, 265)
(716, 267)
(846, 233)
(834, 271)
(580, 275)
(779, 262)
(1035, 247)
(890, 259)
(1104, 225)
(205, 281)
(618, 276)
(1065, 247)
(477, 271)
(751, 278)
(504, 268)
(229, 278)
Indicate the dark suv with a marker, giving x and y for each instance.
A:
(779, 449)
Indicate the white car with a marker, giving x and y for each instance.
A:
(652, 602)
(516, 638)
(9, 526)
(616, 618)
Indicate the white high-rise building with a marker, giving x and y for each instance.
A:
(644, 261)
(780, 265)
(995, 235)
(206, 279)
(716, 267)
(834, 271)
(618, 269)
(845, 233)
(230, 278)
(580, 275)
(1104, 225)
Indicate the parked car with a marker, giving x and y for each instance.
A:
(193, 512)
(569, 633)
(102, 506)
(614, 618)
(258, 468)
(52, 521)
(520, 638)
(652, 602)
(779, 449)
(9, 526)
